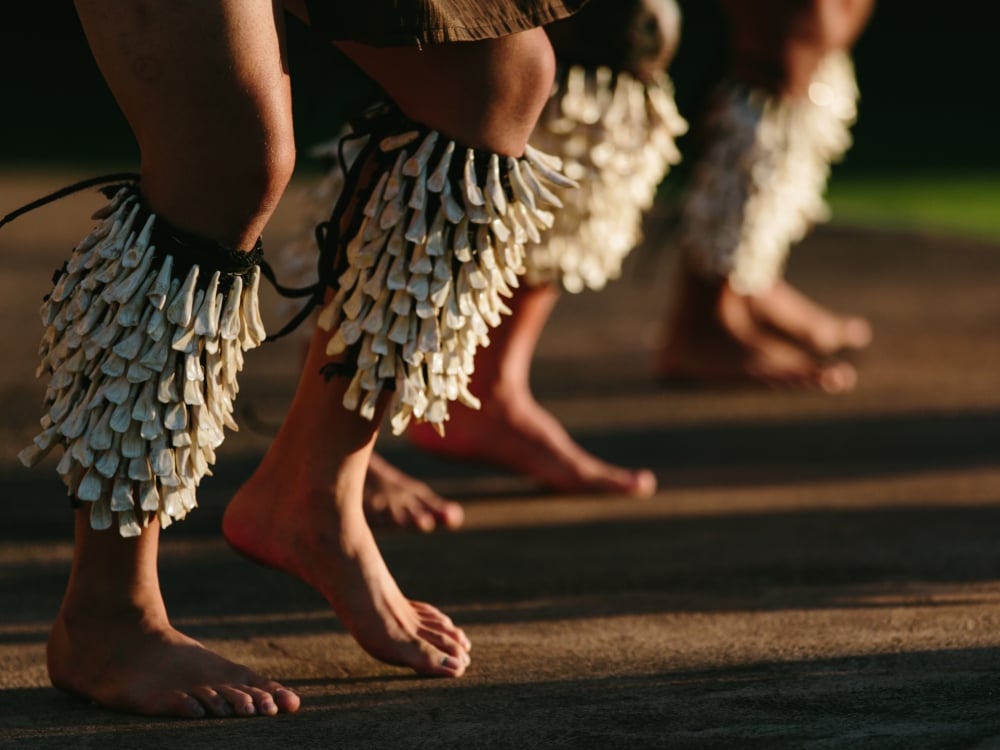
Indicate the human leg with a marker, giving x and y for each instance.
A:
(211, 121)
(613, 123)
(512, 429)
(479, 93)
(112, 641)
(751, 323)
(592, 233)
(718, 334)
(391, 497)
(306, 517)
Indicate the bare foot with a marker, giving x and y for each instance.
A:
(137, 662)
(515, 432)
(781, 338)
(512, 430)
(393, 498)
(283, 520)
(113, 643)
(789, 312)
(302, 512)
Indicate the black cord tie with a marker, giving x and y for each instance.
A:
(327, 234)
(185, 248)
(189, 250)
(76, 187)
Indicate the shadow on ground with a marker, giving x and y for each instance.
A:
(858, 702)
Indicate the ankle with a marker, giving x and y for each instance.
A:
(501, 393)
(85, 612)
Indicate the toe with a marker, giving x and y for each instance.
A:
(840, 377)
(434, 620)
(452, 666)
(214, 703)
(428, 611)
(857, 333)
(643, 483)
(285, 700)
(823, 338)
(239, 698)
(605, 478)
(440, 513)
(451, 515)
(422, 520)
(423, 655)
(442, 640)
(182, 704)
(263, 701)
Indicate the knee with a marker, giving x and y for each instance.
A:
(838, 23)
(778, 44)
(269, 167)
(520, 79)
(485, 94)
(254, 156)
(637, 36)
(223, 179)
(825, 25)
(659, 23)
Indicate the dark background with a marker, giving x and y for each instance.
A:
(927, 73)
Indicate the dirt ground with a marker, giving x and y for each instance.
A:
(814, 571)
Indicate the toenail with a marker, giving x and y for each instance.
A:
(450, 662)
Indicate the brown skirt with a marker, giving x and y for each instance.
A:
(407, 23)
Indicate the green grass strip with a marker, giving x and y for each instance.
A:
(958, 204)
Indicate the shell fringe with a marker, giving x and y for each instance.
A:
(439, 241)
(616, 136)
(759, 188)
(142, 367)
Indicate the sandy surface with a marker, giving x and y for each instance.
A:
(814, 571)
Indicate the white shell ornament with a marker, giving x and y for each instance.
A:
(424, 267)
(759, 187)
(616, 137)
(140, 390)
